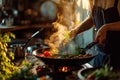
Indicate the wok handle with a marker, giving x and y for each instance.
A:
(90, 45)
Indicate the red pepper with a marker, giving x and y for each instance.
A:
(47, 53)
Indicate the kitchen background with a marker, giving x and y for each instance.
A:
(65, 14)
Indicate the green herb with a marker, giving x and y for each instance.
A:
(80, 50)
(7, 67)
(8, 70)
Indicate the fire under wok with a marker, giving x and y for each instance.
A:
(66, 59)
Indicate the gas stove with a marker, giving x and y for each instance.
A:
(61, 72)
(55, 73)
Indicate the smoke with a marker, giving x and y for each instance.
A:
(59, 39)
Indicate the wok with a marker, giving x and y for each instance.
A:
(68, 61)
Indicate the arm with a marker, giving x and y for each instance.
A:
(101, 34)
(85, 25)
(113, 26)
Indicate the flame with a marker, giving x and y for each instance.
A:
(57, 38)
(64, 69)
(65, 19)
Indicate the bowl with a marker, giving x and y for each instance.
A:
(99, 73)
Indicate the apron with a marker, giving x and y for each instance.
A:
(110, 46)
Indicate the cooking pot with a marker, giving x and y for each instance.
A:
(23, 48)
(68, 61)
(20, 51)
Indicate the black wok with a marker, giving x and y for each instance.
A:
(68, 61)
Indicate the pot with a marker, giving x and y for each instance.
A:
(21, 52)
(22, 48)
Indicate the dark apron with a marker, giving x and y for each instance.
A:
(112, 41)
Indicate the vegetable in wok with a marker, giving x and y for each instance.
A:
(65, 55)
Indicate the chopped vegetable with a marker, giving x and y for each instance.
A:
(47, 53)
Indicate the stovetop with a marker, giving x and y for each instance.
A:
(60, 73)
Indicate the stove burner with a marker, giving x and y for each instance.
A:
(64, 68)
(59, 72)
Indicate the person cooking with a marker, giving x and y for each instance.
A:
(105, 15)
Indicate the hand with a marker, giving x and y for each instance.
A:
(73, 33)
(101, 34)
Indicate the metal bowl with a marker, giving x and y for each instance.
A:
(81, 73)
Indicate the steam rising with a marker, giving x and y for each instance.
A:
(63, 24)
